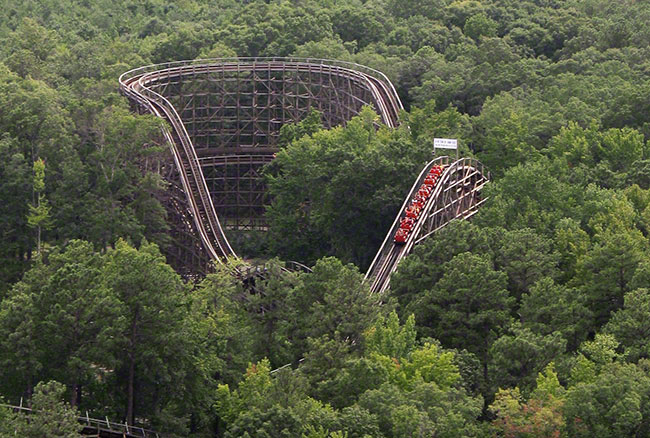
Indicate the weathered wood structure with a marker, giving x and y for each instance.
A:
(224, 117)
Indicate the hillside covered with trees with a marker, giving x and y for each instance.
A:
(532, 320)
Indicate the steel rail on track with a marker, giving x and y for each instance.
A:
(203, 213)
(137, 84)
(390, 253)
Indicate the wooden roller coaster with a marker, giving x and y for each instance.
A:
(224, 118)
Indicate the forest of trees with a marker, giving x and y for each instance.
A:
(532, 320)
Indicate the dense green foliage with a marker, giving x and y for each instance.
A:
(530, 321)
(49, 417)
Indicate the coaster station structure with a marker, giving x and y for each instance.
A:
(223, 124)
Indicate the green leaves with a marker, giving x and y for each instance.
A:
(551, 307)
(152, 336)
(251, 392)
(50, 416)
(526, 257)
(480, 25)
(533, 418)
(429, 364)
(606, 156)
(608, 269)
(469, 306)
(517, 356)
(115, 328)
(336, 192)
(612, 405)
(390, 339)
(39, 214)
(630, 325)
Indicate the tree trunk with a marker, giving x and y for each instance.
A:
(75, 397)
(129, 408)
(131, 382)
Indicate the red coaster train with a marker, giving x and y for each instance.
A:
(413, 210)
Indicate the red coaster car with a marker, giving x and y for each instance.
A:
(412, 211)
(406, 223)
(400, 236)
(430, 181)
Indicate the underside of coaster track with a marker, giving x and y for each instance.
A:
(223, 123)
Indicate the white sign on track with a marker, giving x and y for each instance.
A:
(445, 143)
